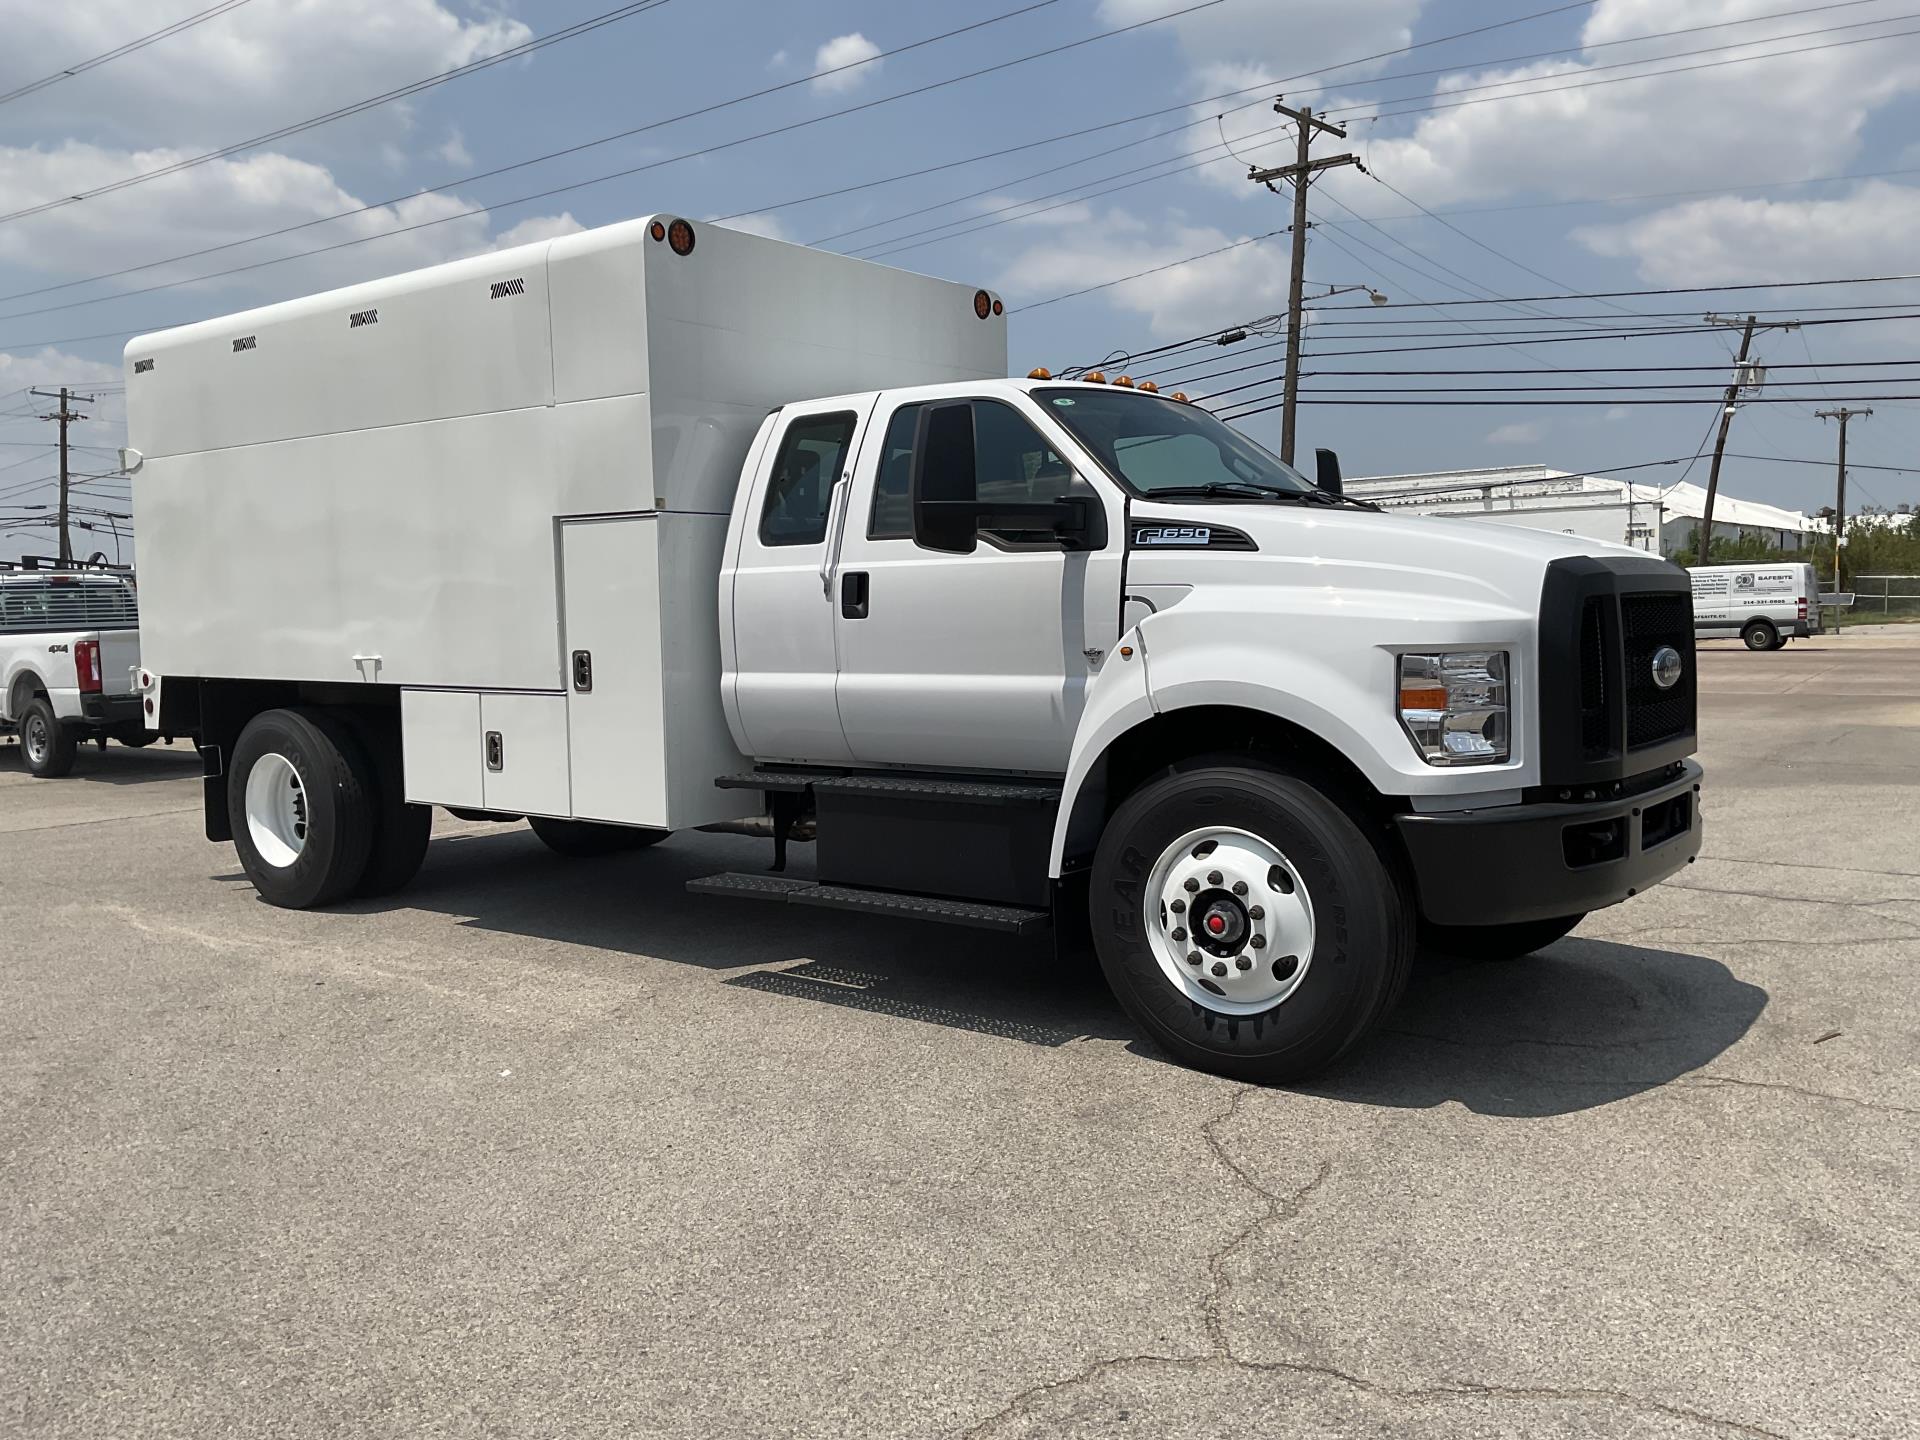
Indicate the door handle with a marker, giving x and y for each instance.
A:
(853, 594)
(583, 671)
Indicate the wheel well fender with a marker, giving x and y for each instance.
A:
(22, 686)
(1149, 743)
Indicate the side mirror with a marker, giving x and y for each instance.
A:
(1327, 472)
(942, 491)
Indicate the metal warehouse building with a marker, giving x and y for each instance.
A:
(1595, 507)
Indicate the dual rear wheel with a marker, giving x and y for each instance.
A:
(317, 805)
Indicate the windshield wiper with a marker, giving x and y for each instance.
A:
(1237, 489)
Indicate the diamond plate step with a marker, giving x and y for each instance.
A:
(1007, 919)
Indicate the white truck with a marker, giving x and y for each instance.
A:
(662, 527)
(69, 647)
(1765, 605)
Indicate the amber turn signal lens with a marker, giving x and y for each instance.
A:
(1423, 697)
(982, 304)
(680, 237)
(1039, 372)
(657, 230)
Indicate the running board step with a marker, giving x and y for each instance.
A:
(1008, 919)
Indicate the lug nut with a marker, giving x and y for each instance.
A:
(1259, 942)
(1179, 907)
(1193, 957)
(1256, 912)
(1179, 937)
(1239, 887)
(1193, 887)
(1244, 962)
(1213, 877)
(1219, 967)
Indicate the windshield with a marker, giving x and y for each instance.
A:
(1153, 444)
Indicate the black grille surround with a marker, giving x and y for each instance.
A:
(1602, 717)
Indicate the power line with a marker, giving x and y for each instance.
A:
(1622, 79)
(151, 38)
(633, 169)
(372, 102)
(786, 85)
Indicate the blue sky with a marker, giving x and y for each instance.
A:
(1742, 158)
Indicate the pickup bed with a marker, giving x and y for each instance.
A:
(69, 650)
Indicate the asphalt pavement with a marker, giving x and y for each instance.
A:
(552, 1148)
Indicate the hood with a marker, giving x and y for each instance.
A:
(1418, 560)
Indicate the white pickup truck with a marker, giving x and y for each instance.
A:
(662, 527)
(69, 647)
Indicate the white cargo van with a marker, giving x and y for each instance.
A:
(1765, 605)
(663, 526)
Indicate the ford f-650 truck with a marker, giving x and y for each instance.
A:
(662, 526)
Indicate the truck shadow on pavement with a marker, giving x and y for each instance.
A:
(1582, 1024)
(116, 765)
(505, 880)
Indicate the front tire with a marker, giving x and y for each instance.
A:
(1760, 635)
(48, 745)
(1312, 942)
(1497, 942)
(582, 839)
(300, 799)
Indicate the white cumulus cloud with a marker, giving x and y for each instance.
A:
(839, 52)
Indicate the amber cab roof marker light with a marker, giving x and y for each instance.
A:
(1125, 380)
(1181, 396)
(1149, 387)
(1039, 372)
(1094, 377)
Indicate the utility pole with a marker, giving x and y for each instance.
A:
(1740, 380)
(1300, 175)
(1843, 414)
(66, 417)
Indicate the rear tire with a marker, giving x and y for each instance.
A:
(300, 799)
(49, 747)
(583, 839)
(1329, 903)
(1760, 635)
(401, 832)
(1497, 942)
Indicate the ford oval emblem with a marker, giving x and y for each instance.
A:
(1666, 667)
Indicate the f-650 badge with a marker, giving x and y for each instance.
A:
(1173, 535)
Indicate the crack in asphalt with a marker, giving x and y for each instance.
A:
(1865, 904)
(1220, 1351)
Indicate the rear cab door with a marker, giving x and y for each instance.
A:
(783, 655)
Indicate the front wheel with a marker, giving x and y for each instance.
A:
(1760, 635)
(49, 745)
(579, 839)
(1246, 922)
(1497, 942)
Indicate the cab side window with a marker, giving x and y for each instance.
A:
(812, 457)
(1012, 465)
(892, 518)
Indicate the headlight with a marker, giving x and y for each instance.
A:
(1455, 706)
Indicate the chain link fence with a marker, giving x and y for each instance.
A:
(1886, 596)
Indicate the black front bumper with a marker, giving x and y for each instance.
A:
(1537, 861)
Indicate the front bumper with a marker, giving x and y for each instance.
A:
(1534, 862)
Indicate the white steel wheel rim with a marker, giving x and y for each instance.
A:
(276, 810)
(1266, 915)
(38, 741)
